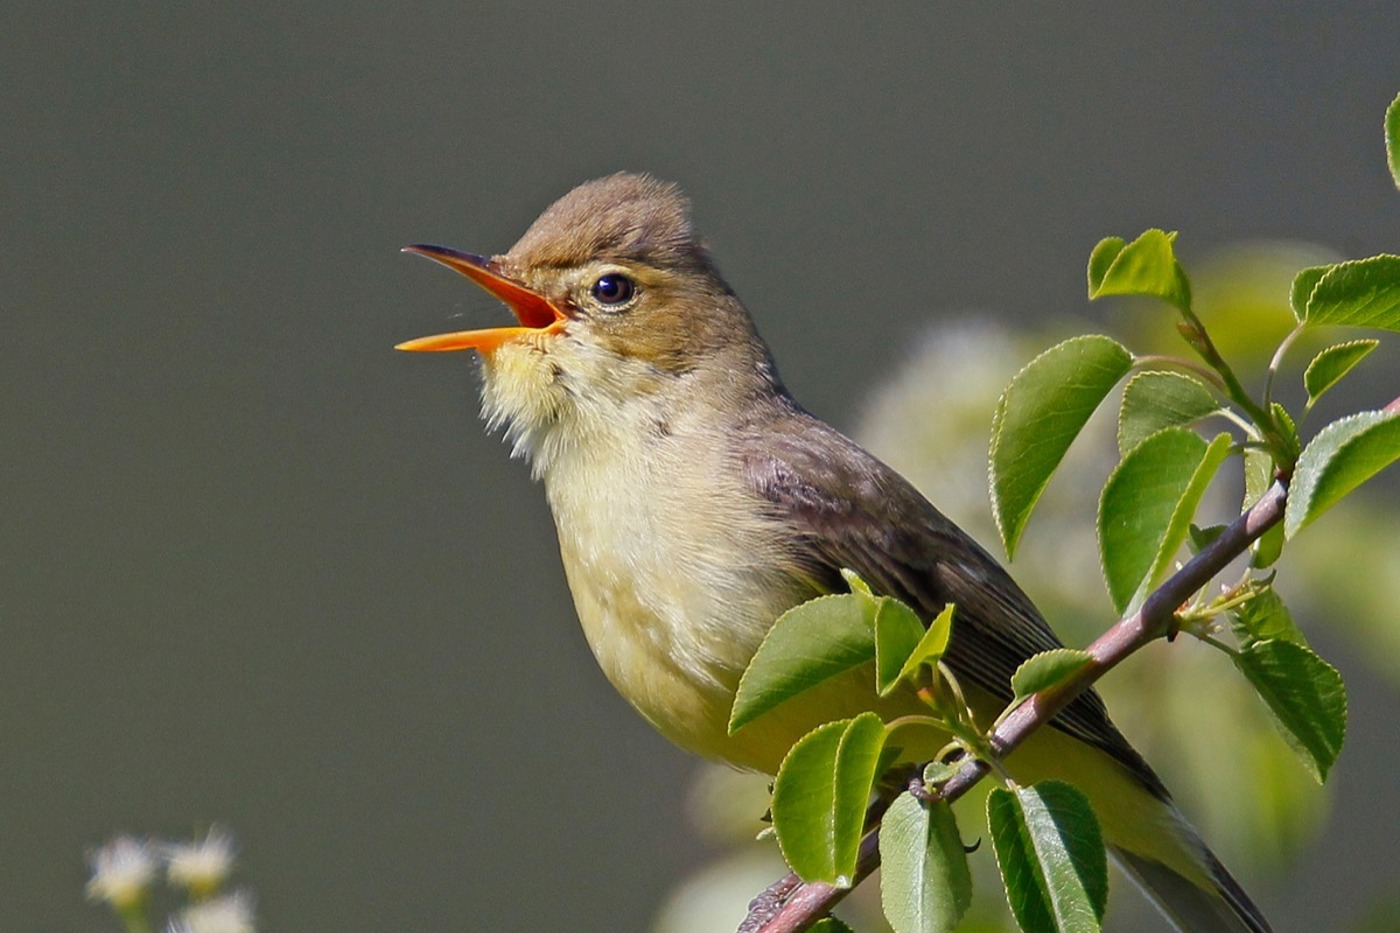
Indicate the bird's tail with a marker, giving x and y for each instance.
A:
(1147, 835)
(1223, 907)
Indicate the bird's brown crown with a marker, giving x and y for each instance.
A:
(620, 217)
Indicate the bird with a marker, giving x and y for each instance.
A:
(695, 501)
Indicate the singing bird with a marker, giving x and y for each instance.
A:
(696, 501)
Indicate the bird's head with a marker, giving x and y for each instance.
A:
(619, 310)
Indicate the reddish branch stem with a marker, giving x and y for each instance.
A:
(803, 904)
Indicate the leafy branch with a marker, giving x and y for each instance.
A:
(1045, 835)
(803, 903)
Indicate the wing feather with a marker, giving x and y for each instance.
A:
(846, 509)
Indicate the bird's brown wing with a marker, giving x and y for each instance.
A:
(846, 509)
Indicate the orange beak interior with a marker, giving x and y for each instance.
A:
(535, 313)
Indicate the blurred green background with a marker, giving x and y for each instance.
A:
(260, 569)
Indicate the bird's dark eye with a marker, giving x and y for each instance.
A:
(613, 289)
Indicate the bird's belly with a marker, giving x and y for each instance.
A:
(679, 668)
(675, 649)
(682, 675)
(676, 582)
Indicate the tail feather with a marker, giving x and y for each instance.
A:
(1189, 907)
(1147, 835)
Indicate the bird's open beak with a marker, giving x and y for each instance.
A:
(536, 313)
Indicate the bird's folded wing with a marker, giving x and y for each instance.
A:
(846, 509)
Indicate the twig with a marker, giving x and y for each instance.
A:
(809, 902)
(1162, 359)
(779, 897)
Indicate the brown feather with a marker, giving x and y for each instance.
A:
(847, 509)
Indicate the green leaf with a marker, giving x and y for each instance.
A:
(858, 763)
(1258, 475)
(1303, 284)
(1306, 696)
(1359, 293)
(1344, 455)
(1264, 618)
(1179, 527)
(1038, 417)
(807, 645)
(804, 802)
(1146, 508)
(1392, 139)
(925, 885)
(936, 772)
(830, 925)
(898, 632)
(1046, 669)
(931, 647)
(1201, 538)
(1156, 400)
(1052, 857)
(1267, 548)
(1146, 266)
(1101, 259)
(1329, 366)
(1287, 430)
(856, 583)
(820, 796)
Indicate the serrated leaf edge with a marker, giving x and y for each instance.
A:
(1010, 536)
(1361, 349)
(1298, 513)
(730, 727)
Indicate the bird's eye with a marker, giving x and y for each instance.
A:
(613, 289)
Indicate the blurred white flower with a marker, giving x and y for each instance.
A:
(228, 913)
(200, 867)
(122, 870)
